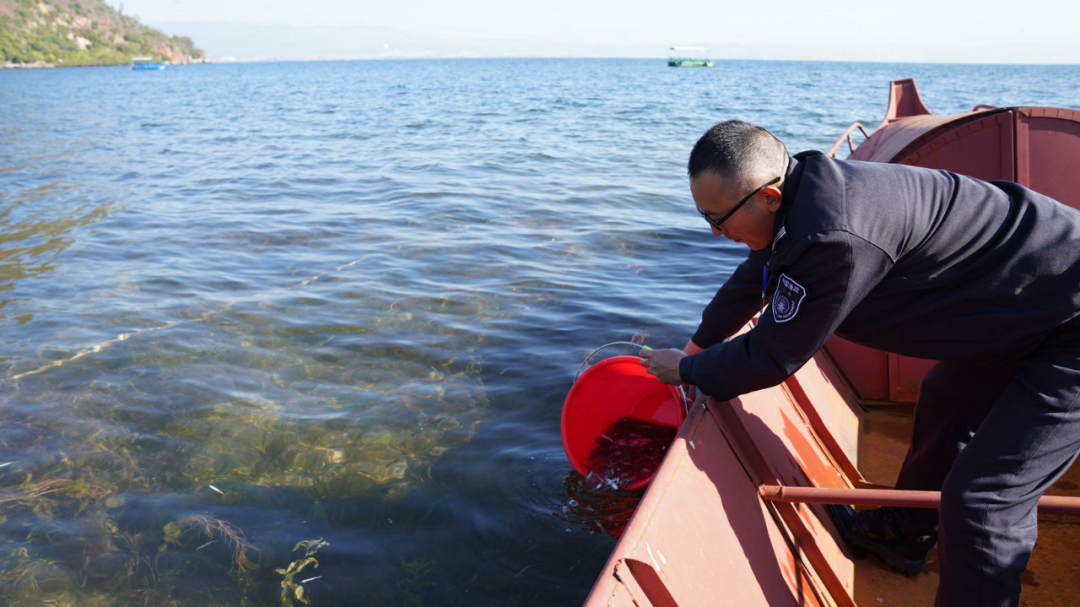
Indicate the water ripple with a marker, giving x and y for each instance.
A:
(345, 300)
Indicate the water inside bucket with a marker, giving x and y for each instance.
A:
(629, 450)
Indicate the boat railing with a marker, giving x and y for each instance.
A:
(847, 136)
(983, 106)
(1048, 504)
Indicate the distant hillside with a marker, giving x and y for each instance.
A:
(82, 32)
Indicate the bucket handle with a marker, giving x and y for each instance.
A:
(682, 393)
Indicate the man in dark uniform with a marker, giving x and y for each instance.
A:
(983, 276)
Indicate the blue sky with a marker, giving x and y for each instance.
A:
(990, 31)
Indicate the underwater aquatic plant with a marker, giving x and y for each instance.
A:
(253, 405)
(287, 584)
(31, 491)
(209, 526)
(412, 582)
(34, 579)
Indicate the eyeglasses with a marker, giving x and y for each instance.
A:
(718, 223)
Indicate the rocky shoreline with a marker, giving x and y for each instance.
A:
(36, 65)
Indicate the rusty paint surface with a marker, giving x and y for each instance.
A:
(1052, 577)
(864, 368)
(705, 534)
(814, 386)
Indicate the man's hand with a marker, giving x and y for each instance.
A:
(664, 364)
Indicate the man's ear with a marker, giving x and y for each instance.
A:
(773, 198)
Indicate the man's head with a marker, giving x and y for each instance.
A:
(732, 161)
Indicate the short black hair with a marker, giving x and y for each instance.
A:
(738, 151)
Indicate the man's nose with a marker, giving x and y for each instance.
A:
(715, 231)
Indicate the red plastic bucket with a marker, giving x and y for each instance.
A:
(606, 392)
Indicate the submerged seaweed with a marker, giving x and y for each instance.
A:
(127, 471)
(290, 587)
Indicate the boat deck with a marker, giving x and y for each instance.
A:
(1051, 578)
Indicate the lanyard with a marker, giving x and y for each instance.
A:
(765, 268)
(764, 286)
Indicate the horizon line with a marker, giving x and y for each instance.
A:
(231, 59)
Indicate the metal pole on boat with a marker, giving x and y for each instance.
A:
(1048, 504)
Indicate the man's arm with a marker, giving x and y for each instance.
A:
(732, 307)
(691, 348)
(734, 304)
(831, 274)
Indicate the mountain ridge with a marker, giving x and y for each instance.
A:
(42, 33)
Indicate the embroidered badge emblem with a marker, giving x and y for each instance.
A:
(787, 299)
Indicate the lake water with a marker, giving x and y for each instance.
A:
(246, 306)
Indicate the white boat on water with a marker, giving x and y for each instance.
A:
(688, 56)
(146, 63)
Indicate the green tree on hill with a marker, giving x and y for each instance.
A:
(82, 32)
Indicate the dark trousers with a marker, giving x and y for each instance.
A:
(992, 438)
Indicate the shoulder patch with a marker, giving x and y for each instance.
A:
(787, 299)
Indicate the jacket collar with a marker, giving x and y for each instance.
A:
(789, 191)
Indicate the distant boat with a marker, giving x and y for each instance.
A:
(146, 63)
(688, 56)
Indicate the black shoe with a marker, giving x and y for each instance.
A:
(876, 530)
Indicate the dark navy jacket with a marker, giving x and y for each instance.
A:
(920, 262)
